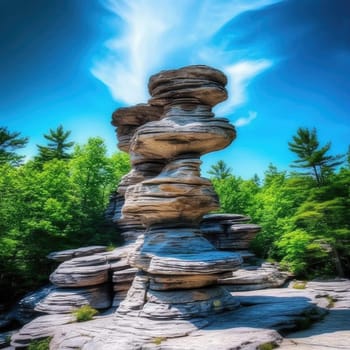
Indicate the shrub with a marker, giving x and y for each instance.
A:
(299, 285)
(267, 346)
(85, 313)
(158, 340)
(42, 344)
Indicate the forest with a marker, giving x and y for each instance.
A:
(57, 201)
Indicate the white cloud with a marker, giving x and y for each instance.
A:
(245, 120)
(239, 76)
(150, 35)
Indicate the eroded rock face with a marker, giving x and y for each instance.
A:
(128, 120)
(66, 300)
(80, 272)
(171, 203)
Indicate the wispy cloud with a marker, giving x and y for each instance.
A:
(239, 76)
(246, 120)
(151, 35)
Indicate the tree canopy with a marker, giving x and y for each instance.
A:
(55, 206)
(311, 155)
(10, 143)
(220, 170)
(57, 147)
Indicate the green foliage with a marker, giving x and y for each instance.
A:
(331, 300)
(236, 195)
(310, 155)
(293, 247)
(41, 344)
(268, 346)
(10, 142)
(299, 284)
(57, 147)
(85, 313)
(304, 227)
(158, 340)
(56, 206)
(220, 170)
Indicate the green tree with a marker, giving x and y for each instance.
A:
(95, 176)
(10, 142)
(306, 146)
(58, 145)
(56, 206)
(220, 170)
(236, 195)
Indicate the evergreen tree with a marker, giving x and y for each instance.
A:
(10, 142)
(306, 146)
(220, 170)
(57, 147)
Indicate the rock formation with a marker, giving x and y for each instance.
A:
(234, 232)
(177, 256)
(127, 120)
(176, 263)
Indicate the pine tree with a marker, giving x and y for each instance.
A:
(220, 170)
(10, 142)
(311, 155)
(57, 147)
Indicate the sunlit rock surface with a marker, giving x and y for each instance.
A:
(67, 300)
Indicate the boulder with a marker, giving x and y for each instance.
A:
(66, 300)
(81, 272)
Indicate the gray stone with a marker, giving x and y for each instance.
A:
(256, 322)
(81, 272)
(75, 253)
(41, 327)
(333, 331)
(66, 300)
(255, 278)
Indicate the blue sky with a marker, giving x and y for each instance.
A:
(73, 62)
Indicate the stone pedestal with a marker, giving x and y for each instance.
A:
(178, 267)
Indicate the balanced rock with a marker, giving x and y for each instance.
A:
(171, 204)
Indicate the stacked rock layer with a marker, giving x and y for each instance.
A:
(178, 267)
(127, 120)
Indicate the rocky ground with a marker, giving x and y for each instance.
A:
(333, 331)
(265, 318)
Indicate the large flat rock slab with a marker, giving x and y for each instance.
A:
(262, 315)
(333, 332)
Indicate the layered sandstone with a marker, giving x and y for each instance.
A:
(178, 267)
